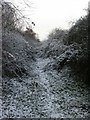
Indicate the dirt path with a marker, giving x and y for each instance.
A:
(46, 98)
(57, 95)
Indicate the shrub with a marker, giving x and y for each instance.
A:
(57, 34)
(78, 34)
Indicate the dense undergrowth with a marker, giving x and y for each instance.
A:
(70, 48)
(79, 34)
(17, 52)
(66, 47)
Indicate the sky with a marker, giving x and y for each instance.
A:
(50, 14)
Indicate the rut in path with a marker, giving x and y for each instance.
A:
(43, 81)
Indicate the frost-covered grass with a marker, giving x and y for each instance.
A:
(45, 94)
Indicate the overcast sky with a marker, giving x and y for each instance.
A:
(49, 14)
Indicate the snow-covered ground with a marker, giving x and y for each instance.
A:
(0, 97)
(44, 94)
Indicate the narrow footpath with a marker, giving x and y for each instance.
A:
(44, 94)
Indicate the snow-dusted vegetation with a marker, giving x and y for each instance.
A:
(44, 79)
